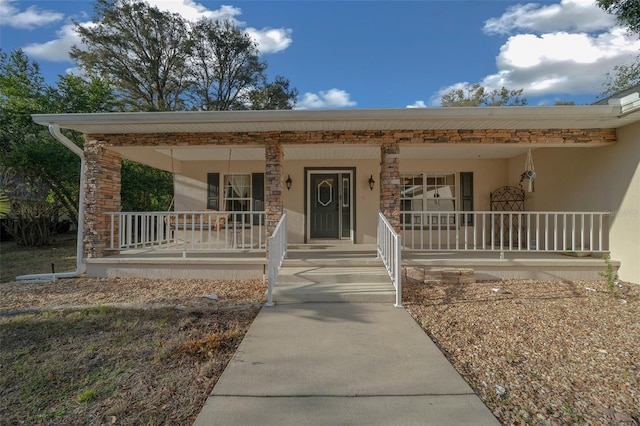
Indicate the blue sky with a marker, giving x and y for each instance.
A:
(381, 54)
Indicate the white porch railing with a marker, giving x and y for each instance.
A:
(506, 231)
(277, 253)
(187, 231)
(390, 250)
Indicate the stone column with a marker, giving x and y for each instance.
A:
(102, 195)
(274, 204)
(390, 183)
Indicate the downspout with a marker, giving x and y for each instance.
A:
(54, 129)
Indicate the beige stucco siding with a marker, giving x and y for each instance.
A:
(191, 186)
(191, 183)
(594, 179)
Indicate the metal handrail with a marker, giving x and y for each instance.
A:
(277, 251)
(389, 245)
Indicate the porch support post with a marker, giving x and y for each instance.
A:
(390, 183)
(102, 194)
(274, 205)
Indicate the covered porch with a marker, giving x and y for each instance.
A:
(429, 172)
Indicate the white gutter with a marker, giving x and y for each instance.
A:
(54, 129)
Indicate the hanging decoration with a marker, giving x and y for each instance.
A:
(529, 173)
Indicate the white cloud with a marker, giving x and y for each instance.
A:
(271, 40)
(193, 11)
(561, 62)
(568, 15)
(417, 104)
(564, 48)
(56, 50)
(28, 19)
(332, 98)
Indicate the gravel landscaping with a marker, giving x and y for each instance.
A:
(539, 353)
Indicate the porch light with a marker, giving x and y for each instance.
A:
(288, 182)
(371, 182)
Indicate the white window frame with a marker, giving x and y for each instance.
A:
(430, 193)
(227, 188)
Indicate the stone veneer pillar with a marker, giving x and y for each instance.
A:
(102, 195)
(274, 206)
(390, 183)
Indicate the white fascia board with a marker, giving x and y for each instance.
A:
(354, 116)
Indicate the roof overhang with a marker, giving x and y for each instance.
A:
(456, 118)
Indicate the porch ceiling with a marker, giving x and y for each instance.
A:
(181, 154)
(549, 117)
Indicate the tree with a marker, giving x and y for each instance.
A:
(622, 76)
(27, 148)
(476, 95)
(80, 94)
(226, 66)
(274, 95)
(141, 50)
(157, 61)
(145, 188)
(21, 94)
(627, 12)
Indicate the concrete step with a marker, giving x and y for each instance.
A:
(323, 274)
(337, 258)
(307, 284)
(333, 262)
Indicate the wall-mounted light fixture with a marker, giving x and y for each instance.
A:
(371, 182)
(288, 182)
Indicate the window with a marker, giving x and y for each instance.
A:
(236, 192)
(241, 192)
(421, 192)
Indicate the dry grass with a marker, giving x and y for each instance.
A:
(18, 260)
(539, 353)
(92, 351)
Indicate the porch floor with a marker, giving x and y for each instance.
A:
(251, 264)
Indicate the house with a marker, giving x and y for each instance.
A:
(431, 172)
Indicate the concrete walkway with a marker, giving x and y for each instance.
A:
(340, 364)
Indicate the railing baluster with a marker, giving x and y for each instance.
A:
(536, 231)
(555, 232)
(582, 232)
(600, 245)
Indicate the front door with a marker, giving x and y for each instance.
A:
(330, 210)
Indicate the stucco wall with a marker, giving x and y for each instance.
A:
(594, 179)
(191, 186)
(191, 183)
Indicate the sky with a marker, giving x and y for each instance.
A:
(380, 54)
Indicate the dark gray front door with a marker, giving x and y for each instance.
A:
(325, 206)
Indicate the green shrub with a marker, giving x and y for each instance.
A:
(610, 276)
(32, 223)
